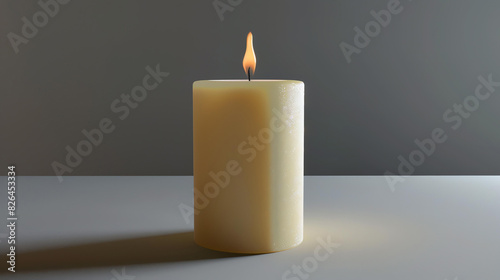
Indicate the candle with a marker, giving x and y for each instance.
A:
(248, 146)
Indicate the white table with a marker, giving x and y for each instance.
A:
(429, 228)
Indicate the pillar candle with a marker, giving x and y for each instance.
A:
(248, 147)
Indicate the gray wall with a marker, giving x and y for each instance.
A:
(360, 116)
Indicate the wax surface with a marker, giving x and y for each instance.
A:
(248, 164)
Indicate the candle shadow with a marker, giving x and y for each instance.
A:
(168, 248)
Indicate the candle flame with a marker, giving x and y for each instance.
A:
(249, 60)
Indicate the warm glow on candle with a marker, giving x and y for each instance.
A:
(249, 61)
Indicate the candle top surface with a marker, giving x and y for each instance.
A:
(217, 83)
(253, 80)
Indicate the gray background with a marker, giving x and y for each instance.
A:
(359, 117)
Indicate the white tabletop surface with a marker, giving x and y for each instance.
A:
(131, 228)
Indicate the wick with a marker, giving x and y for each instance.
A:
(248, 73)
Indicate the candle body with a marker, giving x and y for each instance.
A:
(248, 147)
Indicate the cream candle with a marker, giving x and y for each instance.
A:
(248, 144)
